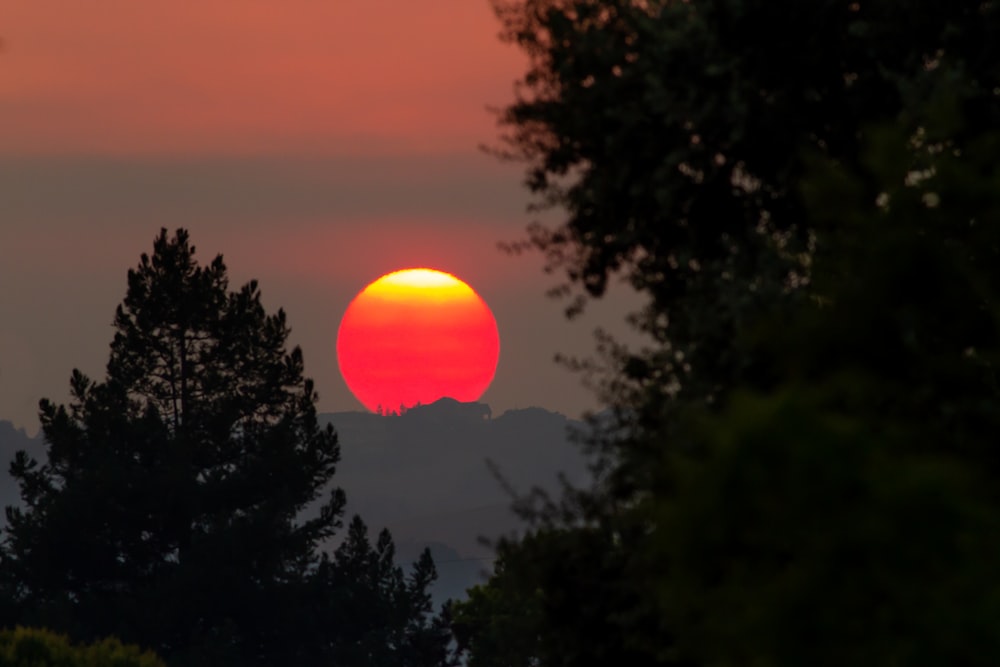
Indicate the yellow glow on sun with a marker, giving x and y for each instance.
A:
(420, 285)
(421, 278)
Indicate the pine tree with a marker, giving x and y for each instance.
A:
(388, 615)
(180, 503)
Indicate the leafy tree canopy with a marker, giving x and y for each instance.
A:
(676, 137)
(806, 469)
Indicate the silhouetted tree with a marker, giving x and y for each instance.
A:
(804, 469)
(848, 513)
(543, 604)
(675, 138)
(384, 616)
(182, 502)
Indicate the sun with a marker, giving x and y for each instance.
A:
(414, 336)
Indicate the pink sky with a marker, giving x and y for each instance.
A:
(315, 144)
(249, 76)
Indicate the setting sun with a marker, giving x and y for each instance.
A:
(414, 336)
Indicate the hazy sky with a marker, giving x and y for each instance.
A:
(316, 145)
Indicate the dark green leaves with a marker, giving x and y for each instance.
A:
(801, 468)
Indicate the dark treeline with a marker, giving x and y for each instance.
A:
(804, 466)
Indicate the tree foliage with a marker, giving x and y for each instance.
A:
(555, 598)
(30, 647)
(804, 469)
(849, 514)
(385, 616)
(183, 502)
(675, 136)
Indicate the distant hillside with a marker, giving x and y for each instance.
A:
(424, 475)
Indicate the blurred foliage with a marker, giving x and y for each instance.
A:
(30, 647)
(803, 468)
(849, 513)
(803, 536)
(676, 137)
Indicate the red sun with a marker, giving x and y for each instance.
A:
(415, 336)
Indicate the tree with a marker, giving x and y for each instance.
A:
(803, 471)
(546, 605)
(182, 503)
(29, 647)
(385, 616)
(675, 138)
(850, 513)
(498, 625)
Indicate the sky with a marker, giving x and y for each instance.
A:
(316, 145)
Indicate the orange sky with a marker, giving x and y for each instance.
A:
(316, 144)
(242, 76)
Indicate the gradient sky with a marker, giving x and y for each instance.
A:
(316, 145)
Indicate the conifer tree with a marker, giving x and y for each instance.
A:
(387, 614)
(181, 503)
